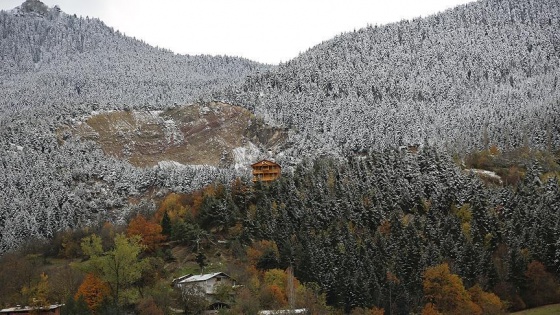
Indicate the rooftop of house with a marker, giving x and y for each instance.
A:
(275, 312)
(19, 308)
(264, 162)
(198, 278)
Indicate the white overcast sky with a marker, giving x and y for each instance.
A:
(262, 30)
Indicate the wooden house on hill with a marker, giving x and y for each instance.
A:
(266, 171)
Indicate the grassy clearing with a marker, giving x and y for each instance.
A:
(543, 310)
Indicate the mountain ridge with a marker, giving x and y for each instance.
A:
(42, 54)
(479, 74)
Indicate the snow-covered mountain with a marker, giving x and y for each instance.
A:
(56, 69)
(480, 74)
(51, 58)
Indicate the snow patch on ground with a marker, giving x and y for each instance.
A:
(146, 117)
(245, 156)
(173, 135)
(485, 173)
(170, 164)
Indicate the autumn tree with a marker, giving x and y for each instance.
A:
(245, 302)
(430, 309)
(272, 297)
(93, 290)
(446, 292)
(279, 288)
(119, 267)
(149, 232)
(309, 296)
(490, 303)
(38, 293)
(263, 255)
(173, 206)
(542, 286)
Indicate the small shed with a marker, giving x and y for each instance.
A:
(266, 171)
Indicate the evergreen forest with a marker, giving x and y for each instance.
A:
(420, 168)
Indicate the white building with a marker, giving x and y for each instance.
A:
(206, 283)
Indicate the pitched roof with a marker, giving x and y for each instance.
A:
(204, 277)
(264, 162)
(29, 308)
(181, 278)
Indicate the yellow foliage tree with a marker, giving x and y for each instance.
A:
(446, 292)
(430, 309)
(119, 267)
(490, 303)
(174, 205)
(276, 277)
(38, 294)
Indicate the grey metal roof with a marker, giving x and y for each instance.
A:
(204, 277)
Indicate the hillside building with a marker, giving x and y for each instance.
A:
(25, 310)
(205, 284)
(266, 171)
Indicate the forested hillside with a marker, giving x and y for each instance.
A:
(348, 225)
(366, 230)
(394, 230)
(56, 69)
(364, 225)
(482, 73)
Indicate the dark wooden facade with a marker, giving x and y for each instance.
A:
(266, 171)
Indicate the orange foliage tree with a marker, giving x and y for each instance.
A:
(93, 290)
(489, 302)
(150, 232)
(446, 292)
